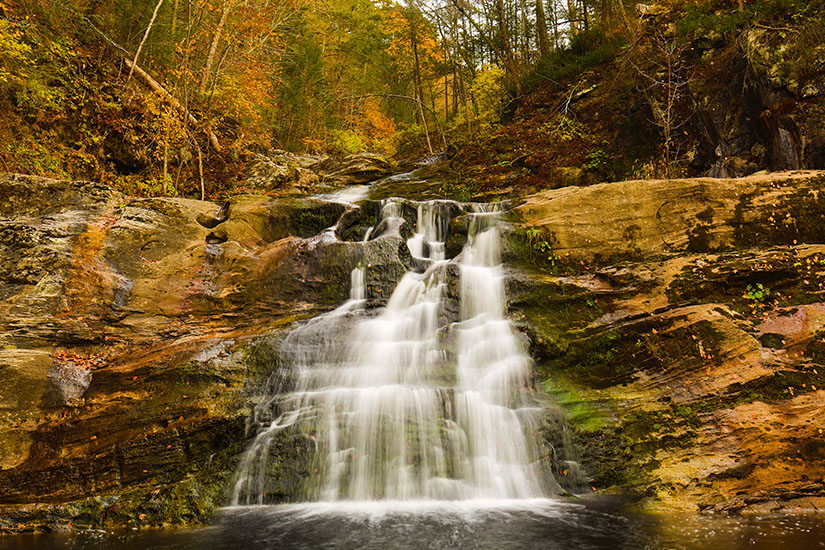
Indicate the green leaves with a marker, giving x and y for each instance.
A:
(757, 293)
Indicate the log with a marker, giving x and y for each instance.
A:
(170, 99)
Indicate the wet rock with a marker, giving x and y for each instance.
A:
(354, 169)
(347, 224)
(68, 384)
(210, 222)
(279, 169)
(156, 306)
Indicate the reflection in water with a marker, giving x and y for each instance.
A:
(513, 524)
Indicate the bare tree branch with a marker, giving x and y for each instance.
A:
(143, 41)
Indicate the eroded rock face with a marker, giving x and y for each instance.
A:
(680, 324)
(637, 220)
(133, 333)
(278, 171)
(281, 168)
(354, 169)
(763, 110)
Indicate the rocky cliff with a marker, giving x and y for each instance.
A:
(682, 325)
(133, 334)
(678, 324)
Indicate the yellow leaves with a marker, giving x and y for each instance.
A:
(15, 54)
(404, 28)
(489, 91)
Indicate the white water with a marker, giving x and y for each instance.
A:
(406, 405)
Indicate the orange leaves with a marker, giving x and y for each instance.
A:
(382, 126)
(88, 362)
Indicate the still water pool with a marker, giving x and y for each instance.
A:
(525, 524)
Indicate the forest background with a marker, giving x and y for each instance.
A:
(173, 97)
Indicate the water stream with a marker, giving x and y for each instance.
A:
(407, 403)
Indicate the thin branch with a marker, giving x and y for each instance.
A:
(143, 41)
(155, 85)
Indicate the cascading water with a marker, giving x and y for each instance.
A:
(405, 404)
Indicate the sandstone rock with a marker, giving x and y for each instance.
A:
(684, 390)
(643, 219)
(633, 294)
(161, 310)
(279, 169)
(354, 169)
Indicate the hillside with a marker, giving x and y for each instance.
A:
(701, 90)
(664, 90)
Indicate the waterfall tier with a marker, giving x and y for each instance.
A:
(406, 403)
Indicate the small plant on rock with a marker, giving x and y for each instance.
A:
(541, 249)
(757, 292)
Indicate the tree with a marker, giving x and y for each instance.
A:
(665, 79)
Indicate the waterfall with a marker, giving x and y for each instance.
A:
(406, 403)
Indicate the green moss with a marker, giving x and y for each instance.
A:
(310, 218)
(772, 340)
(581, 411)
(799, 217)
(605, 357)
(533, 249)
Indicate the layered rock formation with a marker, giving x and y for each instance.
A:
(133, 333)
(278, 171)
(679, 325)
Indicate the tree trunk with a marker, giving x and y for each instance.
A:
(143, 41)
(165, 189)
(525, 32)
(154, 85)
(503, 32)
(623, 14)
(510, 69)
(572, 17)
(213, 47)
(541, 29)
(555, 28)
(174, 20)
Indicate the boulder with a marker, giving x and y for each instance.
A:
(279, 169)
(354, 169)
(644, 219)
